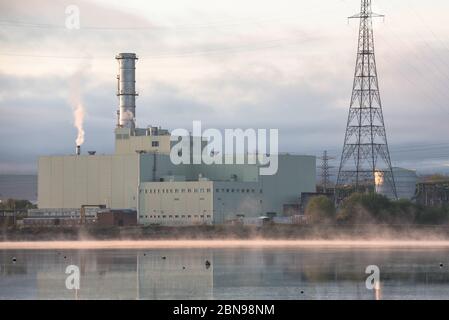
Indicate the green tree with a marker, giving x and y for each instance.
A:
(320, 210)
(365, 208)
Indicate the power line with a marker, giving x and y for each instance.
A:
(262, 45)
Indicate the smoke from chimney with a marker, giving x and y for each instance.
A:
(79, 113)
(75, 98)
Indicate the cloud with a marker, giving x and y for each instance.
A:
(216, 64)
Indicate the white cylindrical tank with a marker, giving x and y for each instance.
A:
(405, 181)
(126, 90)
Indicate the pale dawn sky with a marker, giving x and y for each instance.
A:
(231, 64)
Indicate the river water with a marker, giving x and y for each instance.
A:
(267, 273)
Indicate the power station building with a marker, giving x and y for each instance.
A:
(141, 176)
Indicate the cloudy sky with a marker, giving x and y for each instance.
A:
(285, 64)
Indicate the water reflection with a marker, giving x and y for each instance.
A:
(232, 274)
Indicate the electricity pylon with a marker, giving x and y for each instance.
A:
(365, 160)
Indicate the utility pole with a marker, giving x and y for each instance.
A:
(325, 171)
(365, 155)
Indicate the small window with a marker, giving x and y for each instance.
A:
(201, 190)
(155, 144)
(217, 190)
(183, 190)
(176, 190)
(208, 216)
(189, 190)
(208, 190)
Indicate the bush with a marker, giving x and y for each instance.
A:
(13, 204)
(362, 208)
(320, 210)
(375, 208)
(433, 215)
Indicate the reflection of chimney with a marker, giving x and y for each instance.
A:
(78, 150)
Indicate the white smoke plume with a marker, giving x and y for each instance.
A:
(79, 113)
(76, 101)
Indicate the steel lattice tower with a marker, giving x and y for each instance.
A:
(365, 159)
(325, 171)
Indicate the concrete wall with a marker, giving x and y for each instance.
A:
(296, 174)
(73, 181)
(176, 203)
(232, 199)
(134, 143)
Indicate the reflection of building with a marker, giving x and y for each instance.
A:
(173, 274)
(141, 176)
(116, 274)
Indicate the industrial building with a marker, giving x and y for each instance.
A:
(140, 176)
(405, 181)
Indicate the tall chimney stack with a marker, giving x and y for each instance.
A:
(126, 91)
(78, 150)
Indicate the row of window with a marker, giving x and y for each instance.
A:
(237, 190)
(201, 190)
(176, 190)
(177, 217)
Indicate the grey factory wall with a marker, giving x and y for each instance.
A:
(296, 174)
(73, 181)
